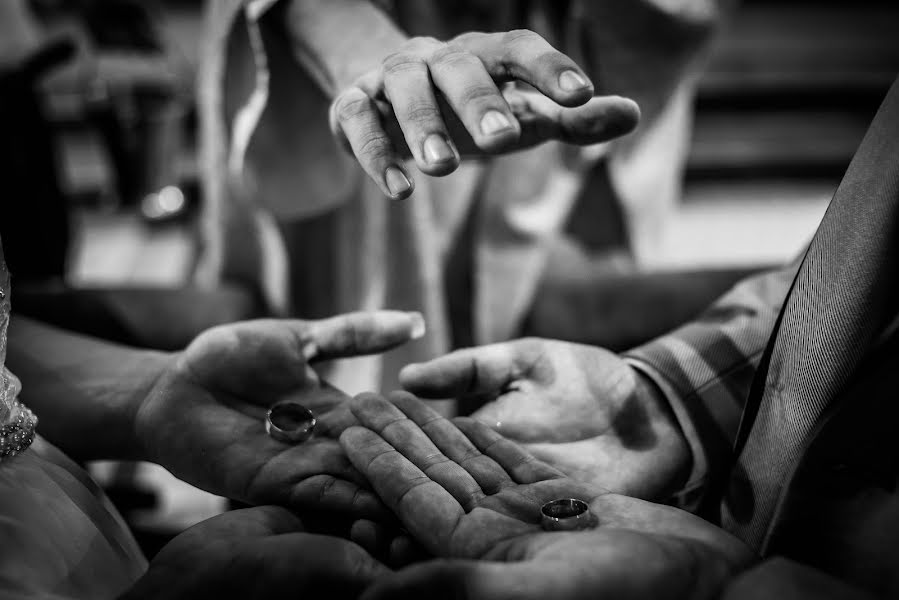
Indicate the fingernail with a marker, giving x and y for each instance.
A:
(397, 182)
(494, 122)
(437, 150)
(418, 326)
(571, 81)
(310, 351)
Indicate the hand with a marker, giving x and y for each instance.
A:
(437, 101)
(468, 494)
(579, 408)
(204, 420)
(256, 553)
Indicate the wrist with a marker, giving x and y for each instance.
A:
(86, 392)
(337, 41)
(671, 439)
(148, 382)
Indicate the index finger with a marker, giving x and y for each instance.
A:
(525, 56)
(428, 511)
(601, 119)
(359, 333)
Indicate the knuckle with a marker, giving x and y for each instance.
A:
(325, 490)
(482, 94)
(518, 37)
(468, 38)
(355, 332)
(452, 56)
(552, 60)
(421, 43)
(402, 62)
(422, 112)
(372, 144)
(352, 105)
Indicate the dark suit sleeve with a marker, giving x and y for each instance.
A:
(705, 368)
(786, 580)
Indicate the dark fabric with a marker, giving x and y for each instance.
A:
(844, 293)
(157, 318)
(34, 215)
(840, 511)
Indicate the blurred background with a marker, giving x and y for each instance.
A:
(103, 215)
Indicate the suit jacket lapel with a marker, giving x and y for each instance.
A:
(843, 294)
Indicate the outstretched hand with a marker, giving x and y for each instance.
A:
(204, 420)
(582, 409)
(438, 101)
(469, 495)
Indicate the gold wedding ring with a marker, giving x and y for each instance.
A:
(566, 514)
(289, 422)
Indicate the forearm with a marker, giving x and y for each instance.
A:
(339, 40)
(84, 391)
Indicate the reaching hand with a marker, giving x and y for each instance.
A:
(467, 494)
(256, 553)
(205, 418)
(579, 408)
(438, 101)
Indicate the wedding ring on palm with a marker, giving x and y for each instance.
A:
(289, 422)
(566, 514)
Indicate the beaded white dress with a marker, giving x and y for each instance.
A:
(60, 537)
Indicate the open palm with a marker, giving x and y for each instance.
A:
(466, 493)
(205, 418)
(582, 409)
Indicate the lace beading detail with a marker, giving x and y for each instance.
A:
(17, 422)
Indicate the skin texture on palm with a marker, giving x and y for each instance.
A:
(439, 101)
(263, 552)
(579, 408)
(471, 496)
(204, 420)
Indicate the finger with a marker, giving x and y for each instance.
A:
(324, 492)
(454, 444)
(355, 117)
(314, 562)
(386, 543)
(460, 580)
(599, 120)
(521, 466)
(405, 551)
(485, 370)
(525, 56)
(388, 421)
(333, 423)
(426, 509)
(258, 521)
(313, 457)
(408, 86)
(474, 97)
(358, 333)
(373, 537)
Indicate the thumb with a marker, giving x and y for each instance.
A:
(459, 580)
(486, 370)
(267, 357)
(358, 333)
